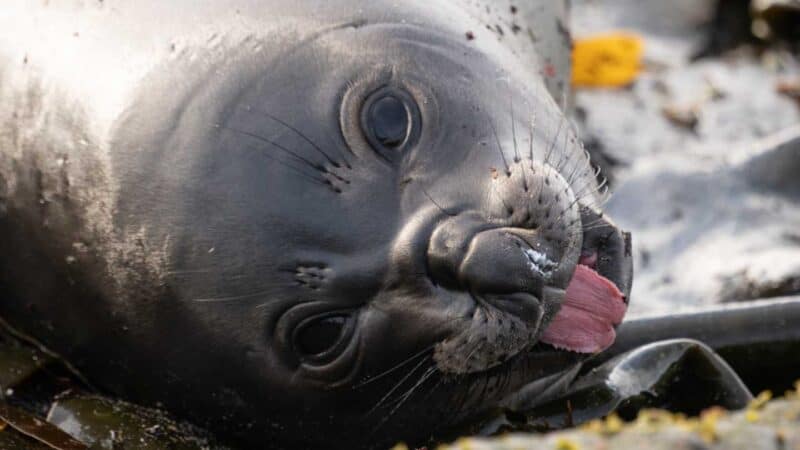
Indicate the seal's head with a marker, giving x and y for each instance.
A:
(365, 232)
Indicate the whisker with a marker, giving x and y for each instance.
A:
(396, 386)
(444, 211)
(397, 366)
(187, 271)
(230, 298)
(517, 157)
(565, 210)
(555, 138)
(530, 141)
(603, 197)
(568, 178)
(586, 229)
(502, 200)
(500, 147)
(547, 156)
(565, 155)
(585, 189)
(514, 129)
(425, 376)
(294, 155)
(305, 138)
(304, 175)
(596, 190)
(433, 388)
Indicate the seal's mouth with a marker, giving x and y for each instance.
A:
(526, 290)
(592, 307)
(596, 299)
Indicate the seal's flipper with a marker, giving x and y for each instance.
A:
(685, 362)
(755, 338)
(681, 375)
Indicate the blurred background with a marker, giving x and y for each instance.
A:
(692, 110)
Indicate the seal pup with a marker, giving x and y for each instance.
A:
(300, 225)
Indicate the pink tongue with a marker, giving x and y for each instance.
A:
(591, 308)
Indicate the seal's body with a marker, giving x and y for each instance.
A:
(297, 223)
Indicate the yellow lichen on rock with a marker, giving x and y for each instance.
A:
(706, 424)
(764, 420)
(613, 424)
(563, 443)
(608, 60)
(760, 400)
(752, 413)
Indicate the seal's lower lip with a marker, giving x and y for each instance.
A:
(527, 306)
(523, 305)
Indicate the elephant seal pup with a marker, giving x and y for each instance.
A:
(305, 224)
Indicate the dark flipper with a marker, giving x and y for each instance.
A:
(680, 375)
(682, 362)
(759, 340)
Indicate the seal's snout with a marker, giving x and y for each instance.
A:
(512, 269)
(515, 277)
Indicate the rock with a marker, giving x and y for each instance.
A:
(763, 425)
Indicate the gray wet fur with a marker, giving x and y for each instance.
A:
(186, 188)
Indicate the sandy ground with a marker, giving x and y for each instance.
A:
(714, 208)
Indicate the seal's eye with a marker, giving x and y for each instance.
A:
(390, 119)
(320, 335)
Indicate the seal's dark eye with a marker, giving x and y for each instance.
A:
(320, 335)
(390, 120)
